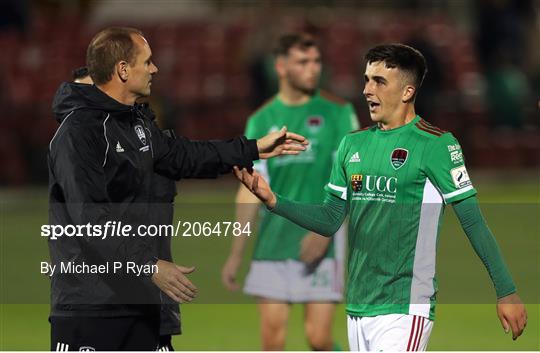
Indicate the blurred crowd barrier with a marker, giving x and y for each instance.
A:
(216, 68)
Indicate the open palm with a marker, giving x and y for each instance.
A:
(257, 185)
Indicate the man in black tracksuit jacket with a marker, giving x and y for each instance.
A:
(163, 196)
(102, 164)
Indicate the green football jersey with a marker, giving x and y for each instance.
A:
(324, 120)
(396, 183)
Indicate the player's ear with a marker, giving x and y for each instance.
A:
(280, 65)
(408, 93)
(122, 70)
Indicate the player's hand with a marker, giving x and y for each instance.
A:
(229, 271)
(257, 185)
(313, 248)
(512, 314)
(280, 142)
(172, 280)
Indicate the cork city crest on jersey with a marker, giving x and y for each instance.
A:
(356, 182)
(398, 158)
(314, 123)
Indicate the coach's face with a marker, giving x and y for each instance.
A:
(301, 68)
(141, 69)
(384, 91)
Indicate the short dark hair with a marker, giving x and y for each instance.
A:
(404, 57)
(79, 73)
(303, 41)
(106, 49)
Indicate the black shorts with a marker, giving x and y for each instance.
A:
(133, 333)
(165, 344)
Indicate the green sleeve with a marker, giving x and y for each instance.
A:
(337, 185)
(324, 219)
(484, 244)
(445, 168)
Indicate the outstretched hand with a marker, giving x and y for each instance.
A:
(255, 183)
(512, 314)
(281, 142)
(172, 280)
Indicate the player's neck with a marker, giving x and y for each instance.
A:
(117, 93)
(399, 119)
(291, 96)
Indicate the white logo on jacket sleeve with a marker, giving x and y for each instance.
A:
(460, 177)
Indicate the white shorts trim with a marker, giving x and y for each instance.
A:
(393, 332)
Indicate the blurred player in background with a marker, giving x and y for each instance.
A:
(291, 264)
(164, 194)
(394, 179)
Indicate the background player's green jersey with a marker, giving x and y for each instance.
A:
(396, 183)
(324, 120)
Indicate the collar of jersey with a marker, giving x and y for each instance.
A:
(400, 128)
(296, 106)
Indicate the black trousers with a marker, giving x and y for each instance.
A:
(133, 333)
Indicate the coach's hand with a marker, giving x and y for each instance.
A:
(280, 142)
(257, 185)
(172, 280)
(512, 314)
(229, 272)
(313, 248)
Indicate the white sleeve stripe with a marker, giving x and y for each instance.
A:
(63, 121)
(106, 140)
(341, 189)
(457, 192)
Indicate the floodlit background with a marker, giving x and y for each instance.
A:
(215, 68)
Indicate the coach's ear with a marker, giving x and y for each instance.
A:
(408, 94)
(122, 70)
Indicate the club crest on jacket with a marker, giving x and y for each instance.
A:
(140, 133)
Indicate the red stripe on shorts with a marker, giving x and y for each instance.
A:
(420, 336)
(412, 333)
(418, 323)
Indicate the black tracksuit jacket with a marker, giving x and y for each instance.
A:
(102, 164)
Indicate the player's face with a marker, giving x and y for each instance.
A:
(302, 68)
(384, 90)
(142, 69)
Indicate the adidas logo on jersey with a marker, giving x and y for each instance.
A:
(355, 158)
(119, 147)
